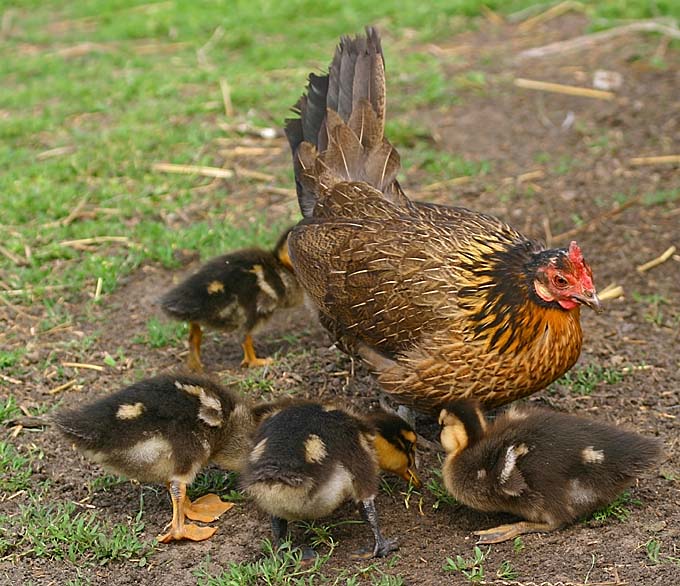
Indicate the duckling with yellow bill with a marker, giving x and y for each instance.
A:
(549, 468)
(309, 458)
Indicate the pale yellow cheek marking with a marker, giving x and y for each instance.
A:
(315, 449)
(130, 410)
(592, 456)
(215, 287)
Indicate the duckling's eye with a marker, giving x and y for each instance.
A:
(560, 282)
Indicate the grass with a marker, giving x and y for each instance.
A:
(162, 333)
(436, 486)
(17, 467)
(506, 571)
(284, 567)
(218, 482)
(146, 89)
(9, 409)
(472, 569)
(618, 509)
(585, 379)
(60, 531)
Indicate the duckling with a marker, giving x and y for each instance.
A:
(165, 429)
(240, 290)
(548, 467)
(309, 458)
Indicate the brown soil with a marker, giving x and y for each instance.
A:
(585, 171)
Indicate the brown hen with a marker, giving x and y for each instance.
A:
(441, 302)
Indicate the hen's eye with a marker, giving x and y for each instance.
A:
(560, 281)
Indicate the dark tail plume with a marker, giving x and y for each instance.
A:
(339, 134)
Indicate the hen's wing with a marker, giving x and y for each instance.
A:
(387, 281)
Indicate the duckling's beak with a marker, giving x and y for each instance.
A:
(589, 298)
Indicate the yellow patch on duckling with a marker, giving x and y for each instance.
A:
(194, 390)
(262, 282)
(215, 287)
(315, 449)
(592, 456)
(130, 411)
(521, 450)
(391, 458)
(516, 414)
(258, 450)
(454, 436)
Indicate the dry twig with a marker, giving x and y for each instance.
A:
(611, 291)
(63, 387)
(552, 12)
(660, 160)
(226, 98)
(250, 174)
(446, 183)
(84, 365)
(9, 379)
(655, 262)
(17, 260)
(601, 218)
(194, 170)
(560, 88)
(81, 243)
(587, 41)
(72, 215)
(56, 152)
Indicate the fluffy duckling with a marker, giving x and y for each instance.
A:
(165, 429)
(241, 290)
(309, 458)
(548, 467)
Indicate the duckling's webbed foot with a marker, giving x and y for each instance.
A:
(207, 508)
(506, 532)
(383, 547)
(178, 529)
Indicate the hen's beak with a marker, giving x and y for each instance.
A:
(590, 299)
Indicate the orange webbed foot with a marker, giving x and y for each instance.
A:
(207, 508)
(255, 362)
(190, 532)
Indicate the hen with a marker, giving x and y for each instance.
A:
(441, 302)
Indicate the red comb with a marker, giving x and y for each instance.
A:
(575, 255)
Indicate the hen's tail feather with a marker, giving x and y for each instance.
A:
(339, 135)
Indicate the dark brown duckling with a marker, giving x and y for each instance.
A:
(165, 429)
(236, 291)
(548, 467)
(309, 458)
